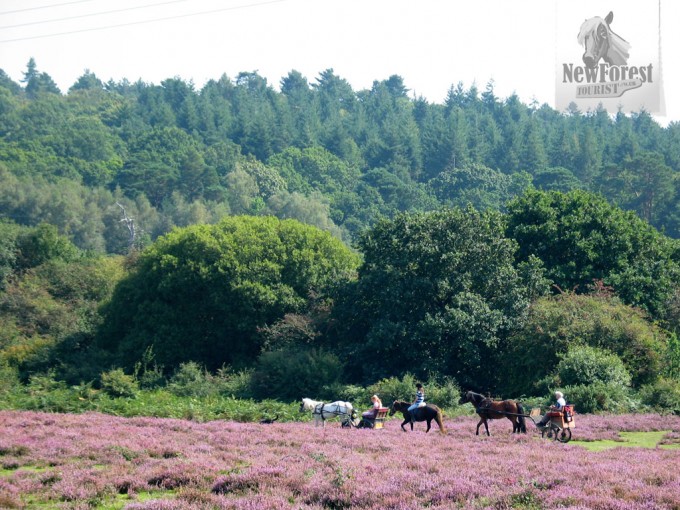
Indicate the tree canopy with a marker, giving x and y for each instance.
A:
(200, 293)
(464, 212)
(439, 293)
(557, 324)
(370, 153)
(581, 238)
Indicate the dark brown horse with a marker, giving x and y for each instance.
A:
(426, 413)
(488, 409)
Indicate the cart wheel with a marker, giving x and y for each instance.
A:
(547, 432)
(564, 436)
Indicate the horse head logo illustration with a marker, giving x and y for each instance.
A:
(600, 42)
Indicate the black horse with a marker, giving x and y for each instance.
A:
(488, 409)
(426, 413)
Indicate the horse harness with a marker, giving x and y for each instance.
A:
(318, 409)
(484, 408)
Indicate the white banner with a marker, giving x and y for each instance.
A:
(608, 53)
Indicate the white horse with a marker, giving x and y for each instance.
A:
(322, 411)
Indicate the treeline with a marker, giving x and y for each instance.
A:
(563, 290)
(496, 246)
(340, 159)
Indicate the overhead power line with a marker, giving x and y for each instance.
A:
(91, 14)
(155, 20)
(44, 7)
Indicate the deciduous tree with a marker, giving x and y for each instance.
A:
(200, 293)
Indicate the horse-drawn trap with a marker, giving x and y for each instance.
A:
(558, 428)
(374, 422)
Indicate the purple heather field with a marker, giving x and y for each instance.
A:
(100, 461)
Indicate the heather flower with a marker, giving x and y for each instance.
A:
(80, 461)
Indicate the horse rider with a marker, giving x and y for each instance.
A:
(419, 401)
(560, 402)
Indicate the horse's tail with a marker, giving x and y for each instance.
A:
(521, 419)
(440, 421)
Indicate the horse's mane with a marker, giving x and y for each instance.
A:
(618, 49)
(589, 26)
(476, 397)
(618, 46)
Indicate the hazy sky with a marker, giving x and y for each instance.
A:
(432, 44)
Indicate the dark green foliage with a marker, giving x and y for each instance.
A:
(600, 397)
(9, 382)
(587, 365)
(292, 373)
(581, 239)
(643, 183)
(663, 396)
(478, 185)
(556, 179)
(673, 359)
(37, 246)
(314, 169)
(558, 324)
(48, 316)
(87, 81)
(117, 383)
(38, 83)
(9, 232)
(190, 379)
(46, 394)
(155, 140)
(442, 291)
(200, 293)
(444, 392)
(437, 293)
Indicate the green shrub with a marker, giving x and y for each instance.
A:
(117, 383)
(662, 396)
(443, 393)
(673, 355)
(151, 378)
(148, 373)
(393, 388)
(529, 403)
(600, 397)
(11, 389)
(42, 243)
(357, 395)
(44, 383)
(586, 365)
(45, 393)
(556, 324)
(294, 373)
(191, 380)
(234, 384)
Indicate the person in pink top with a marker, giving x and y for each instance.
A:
(373, 411)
